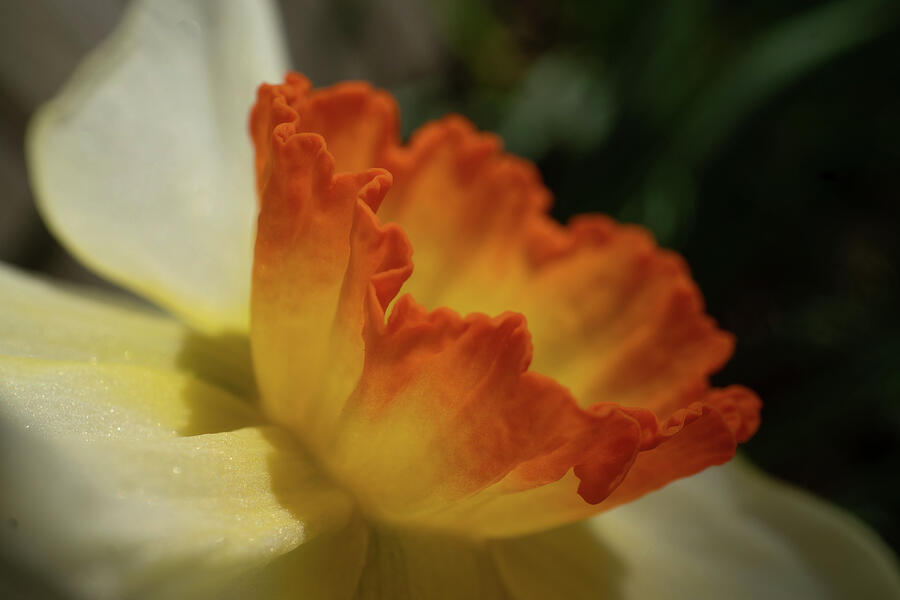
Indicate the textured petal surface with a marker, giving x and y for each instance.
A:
(128, 468)
(44, 319)
(126, 481)
(141, 165)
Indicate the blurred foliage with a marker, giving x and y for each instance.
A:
(759, 139)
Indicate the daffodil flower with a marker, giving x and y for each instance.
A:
(318, 420)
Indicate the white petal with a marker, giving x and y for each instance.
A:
(110, 495)
(97, 402)
(728, 532)
(125, 476)
(143, 165)
(43, 319)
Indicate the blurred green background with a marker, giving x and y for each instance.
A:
(761, 139)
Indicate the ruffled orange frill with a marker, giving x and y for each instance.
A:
(431, 417)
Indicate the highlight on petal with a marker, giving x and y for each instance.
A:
(128, 481)
(138, 175)
(128, 467)
(49, 320)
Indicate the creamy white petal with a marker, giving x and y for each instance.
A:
(129, 471)
(97, 402)
(143, 165)
(44, 319)
(729, 532)
(125, 481)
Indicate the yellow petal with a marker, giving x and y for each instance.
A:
(43, 319)
(143, 166)
(97, 402)
(119, 485)
(729, 532)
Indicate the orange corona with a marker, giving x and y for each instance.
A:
(432, 418)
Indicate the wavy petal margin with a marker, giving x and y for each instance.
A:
(323, 267)
(433, 418)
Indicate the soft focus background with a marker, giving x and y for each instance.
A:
(761, 139)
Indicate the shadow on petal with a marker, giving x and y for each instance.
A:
(326, 568)
(569, 562)
(222, 359)
(328, 563)
(408, 563)
(19, 581)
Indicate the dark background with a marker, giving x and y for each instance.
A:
(761, 139)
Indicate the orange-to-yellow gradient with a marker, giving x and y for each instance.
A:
(472, 423)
